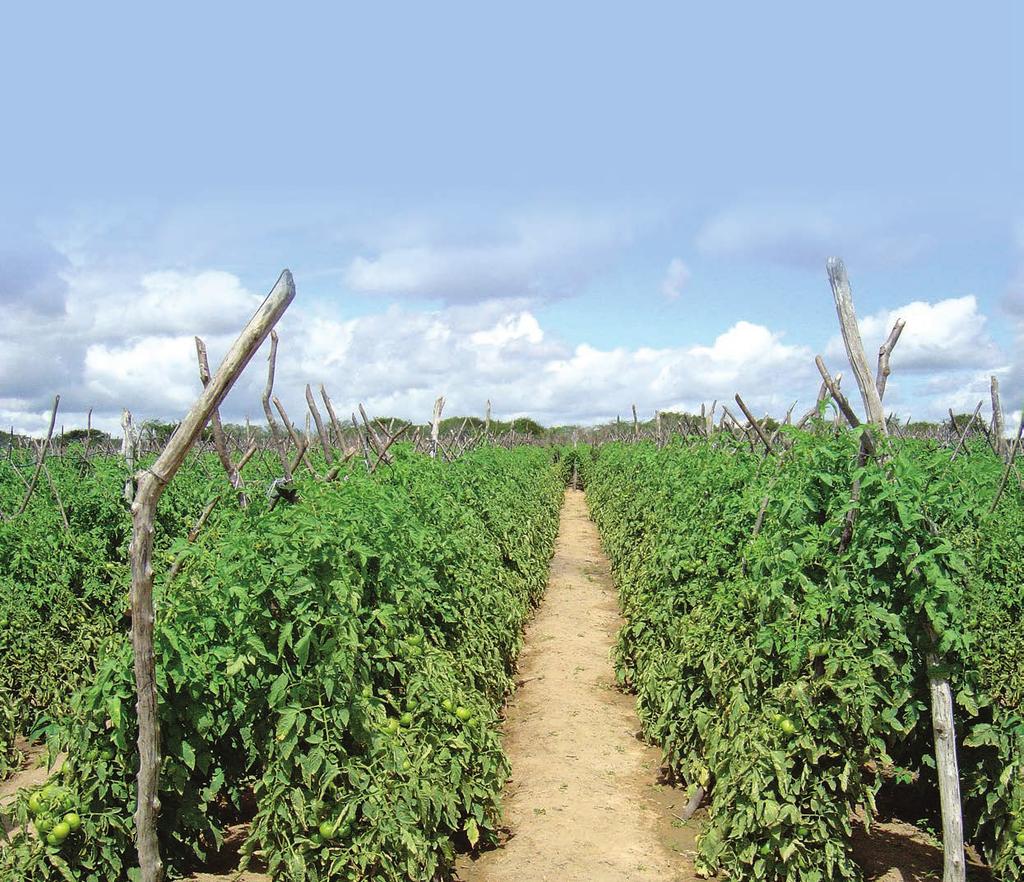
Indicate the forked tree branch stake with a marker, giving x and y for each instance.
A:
(275, 433)
(151, 484)
(884, 351)
(754, 424)
(967, 428)
(938, 683)
(219, 439)
(40, 457)
(854, 346)
(339, 438)
(320, 430)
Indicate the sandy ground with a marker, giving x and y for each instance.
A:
(583, 803)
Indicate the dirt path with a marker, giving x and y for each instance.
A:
(582, 804)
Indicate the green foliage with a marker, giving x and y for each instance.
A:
(330, 671)
(791, 677)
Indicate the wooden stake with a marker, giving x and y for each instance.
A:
(884, 351)
(40, 457)
(967, 428)
(275, 433)
(339, 437)
(320, 430)
(854, 346)
(151, 483)
(998, 428)
(938, 682)
(220, 442)
(435, 424)
(754, 424)
(128, 452)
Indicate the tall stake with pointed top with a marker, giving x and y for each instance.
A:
(435, 426)
(998, 428)
(151, 484)
(128, 453)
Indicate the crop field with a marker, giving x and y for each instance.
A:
(330, 672)
(476, 651)
(790, 681)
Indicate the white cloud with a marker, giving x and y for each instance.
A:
(114, 339)
(945, 335)
(676, 277)
(395, 361)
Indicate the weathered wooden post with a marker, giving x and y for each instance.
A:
(435, 426)
(938, 684)
(128, 453)
(151, 484)
(219, 440)
(998, 428)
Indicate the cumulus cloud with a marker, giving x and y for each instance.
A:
(120, 339)
(945, 335)
(396, 361)
(676, 277)
(944, 359)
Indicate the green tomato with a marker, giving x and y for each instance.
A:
(1020, 839)
(462, 713)
(53, 841)
(35, 803)
(391, 726)
(73, 821)
(448, 705)
(406, 719)
(471, 721)
(788, 727)
(61, 831)
(326, 830)
(44, 824)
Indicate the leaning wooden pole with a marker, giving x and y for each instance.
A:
(151, 484)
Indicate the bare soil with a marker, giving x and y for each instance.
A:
(583, 803)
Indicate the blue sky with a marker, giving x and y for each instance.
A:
(562, 207)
